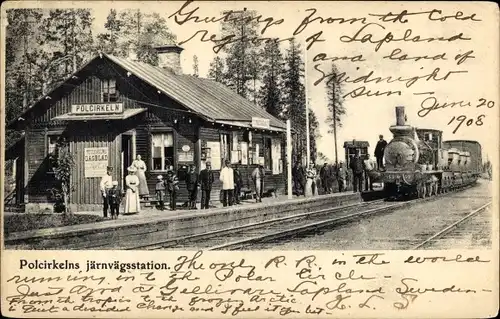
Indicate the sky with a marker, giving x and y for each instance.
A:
(367, 117)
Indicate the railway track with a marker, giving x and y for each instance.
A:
(200, 239)
(284, 227)
(450, 228)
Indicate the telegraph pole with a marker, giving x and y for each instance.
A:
(308, 138)
(335, 124)
(289, 158)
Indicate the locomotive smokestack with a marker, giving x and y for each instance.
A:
(400, 116)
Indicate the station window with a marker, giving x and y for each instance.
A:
(108, 89)
(162, 150)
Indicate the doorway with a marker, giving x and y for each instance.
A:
(127, 154)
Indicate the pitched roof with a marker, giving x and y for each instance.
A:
(212, 100)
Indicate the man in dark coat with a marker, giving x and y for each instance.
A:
(192, 186)
(299, 178)
(379, 152)
(206, 180)
(357, 172)
(238, 183)
(324, 176)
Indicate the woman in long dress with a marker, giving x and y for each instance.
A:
(311, 181)
(141, 167)
(132, 202)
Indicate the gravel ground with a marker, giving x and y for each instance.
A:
(406, 228)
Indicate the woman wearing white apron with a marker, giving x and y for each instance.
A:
(311, 181)
(141, 167)
(132, 204)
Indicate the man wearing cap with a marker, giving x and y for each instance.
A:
(192, 186)
(258, 181)
(238, 184)
(379, 152)
(368, 168)
(206, 180)
(106, 185)
(227, 179)
(357, 167)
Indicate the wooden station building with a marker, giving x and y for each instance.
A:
(113, 109)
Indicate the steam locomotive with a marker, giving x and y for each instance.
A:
(418, 163)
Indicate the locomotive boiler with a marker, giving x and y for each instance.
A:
(418, 163)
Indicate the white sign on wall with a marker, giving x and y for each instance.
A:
(215, 158)
(97, 108)
(258, 122)
(96, 161)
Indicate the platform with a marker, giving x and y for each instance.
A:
(171, 224)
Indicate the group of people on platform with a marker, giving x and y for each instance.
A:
(230, 178)
(135, 185)
(308, 182)
(166, 188)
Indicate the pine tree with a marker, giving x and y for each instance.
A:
(216, 70)
(242, 63)
(335, 107)
(134, 34)
(68, 34)
(295, 103)
(108, 41)
(294, 98)
(20, 88)
(270, 93)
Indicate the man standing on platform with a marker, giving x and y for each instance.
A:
(357, 172)
(206, 180)
(106, 185)
(341, 177)
(369, 167)
(299, 179)
(379, 152)
(238, 184)
(323, 175)
(258, 181)
(192, 186)
(227, 179)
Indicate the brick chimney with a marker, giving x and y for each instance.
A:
(169, 57)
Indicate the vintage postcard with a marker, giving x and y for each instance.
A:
(249, 159)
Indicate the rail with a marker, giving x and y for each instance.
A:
(447, 229)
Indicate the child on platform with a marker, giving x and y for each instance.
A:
(172, 188)
(160, 193)
(114, 200)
